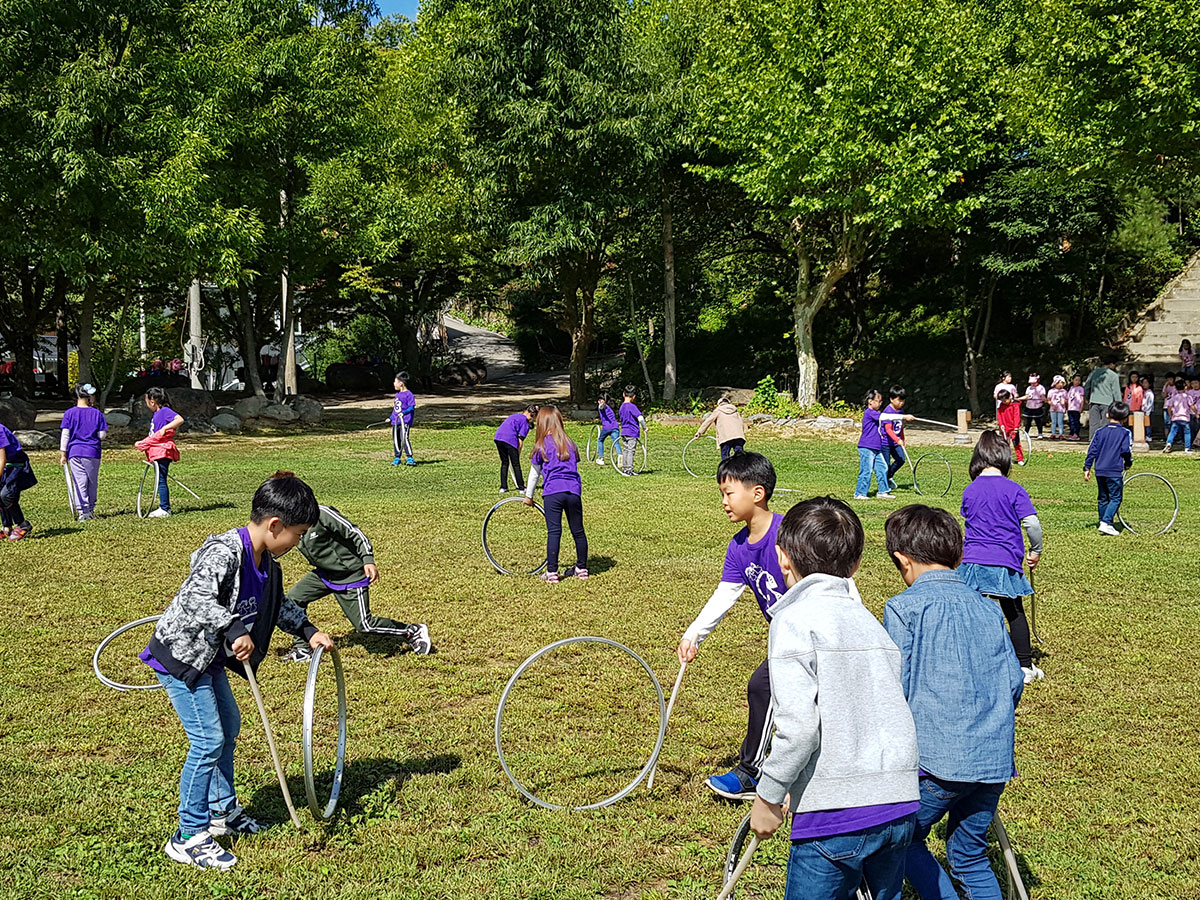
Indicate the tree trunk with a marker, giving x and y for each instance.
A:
(638, 342)
(87, 316)
(194, 334)
(579, 297)
(249, 342)
(976, 340)
(62, 346)
(119, 355)
(670, 372)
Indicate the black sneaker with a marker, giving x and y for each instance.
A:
(299, 654)
(418, 639)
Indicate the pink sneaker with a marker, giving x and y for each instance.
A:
(18, 533)
(549, 577)
(581, 574)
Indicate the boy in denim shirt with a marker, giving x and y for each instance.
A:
(962, 680)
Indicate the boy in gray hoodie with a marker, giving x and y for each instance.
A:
(844, 755)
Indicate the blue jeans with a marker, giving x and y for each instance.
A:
(1056, 422)
(729, 448)
(211, 721)
(971, 808)
(896, 454)
(164, 492)
(1176, 427)
(613, 433)
(1109, 490)
(870, 461)
(831, 868)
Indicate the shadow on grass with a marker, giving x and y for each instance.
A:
(388, 645)
(38, 533)
(360, 778)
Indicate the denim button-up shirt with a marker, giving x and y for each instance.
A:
(960, 676)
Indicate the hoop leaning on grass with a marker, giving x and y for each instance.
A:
(492, 551)
(306, 734)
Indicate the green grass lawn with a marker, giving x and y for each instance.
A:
(1105, 806)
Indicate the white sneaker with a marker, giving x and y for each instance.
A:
(159, 513)
(600, 460)
(235, 822)
(861, 497)
(200, 850)
(885, 496)
(1105, 528)
(1032, 674)
(418, 639)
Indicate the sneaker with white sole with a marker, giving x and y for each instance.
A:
(299, 654)
(418, 639)
(1032, 673)
(1105, 528)
(599, 460)
(159, 513)
(733, 785)
(886, 495)
(200, 850)
(549, 577)
(236, 821)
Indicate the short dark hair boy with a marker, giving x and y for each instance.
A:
(925, 534)
(822, 536)
(751, 469)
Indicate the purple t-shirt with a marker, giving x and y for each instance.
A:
(558, 475)
(8, 442)
(85, 424)
(608, 418)
(897, 426)
(252, 583)
(828, 822)
(629, 420)
(513, 430)
(404, 401)
(993, 507)
(756, 565)
(164, 416)
(871, 439)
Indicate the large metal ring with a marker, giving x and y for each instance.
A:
(116, 685)
(646, 769)
(932, 456)
(685, 452)
(1174, 497)
(310, 693)
(487, 551)
(639, 468)
(142, 485)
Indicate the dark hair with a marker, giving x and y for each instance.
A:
(821, 535)
(1180, 384)
(1109, 359)
(532, 409)
(1005, 374)
(81, 394)
(751, 469)
(1118, 412)
(896, 393)
(286, 496)
(1185, 341)
(158, 395)
(1132, 378)
(872, 394)
(991, 451)
(402, 376)
(630, 391)
(1170, 376)
(603, 396)
(924, 534)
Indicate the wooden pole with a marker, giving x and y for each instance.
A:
(964, 418)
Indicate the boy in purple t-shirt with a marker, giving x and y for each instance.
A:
(610, 428)
(401, 419)
(508, 440)
(747, 481)
(83, 427)
(632, 424)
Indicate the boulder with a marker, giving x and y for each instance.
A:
(37, 440)
(197, 425)
(344, 377)
(760, 417)
(16, 413)
(249, 407)
(277, 412)
(309, 410)
(188, 402)
(118, 419)
(464, 374)
(227, 423)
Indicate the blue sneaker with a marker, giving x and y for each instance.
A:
(409, 462)
(200, 850)
(733, 785)
(396, 461)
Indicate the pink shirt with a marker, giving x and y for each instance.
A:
(1075, 398)
(1179, 405)
(1035, 396)
(1058, 399)
(1194, 399)
(1188, 358)
(1168, 391)
(1133, 397)
(1004, 388)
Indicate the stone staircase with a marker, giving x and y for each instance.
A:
(1154, 338)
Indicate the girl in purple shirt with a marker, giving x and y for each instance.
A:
(83, 427)
(508, 439)
(555, 459)
(996, 511)
(870, 451)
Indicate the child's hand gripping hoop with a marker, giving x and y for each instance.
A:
(1149, 504)
(514, 537)
(310, 693)
(699, 458)
(645, 770)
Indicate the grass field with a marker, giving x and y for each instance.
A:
(1105, 806)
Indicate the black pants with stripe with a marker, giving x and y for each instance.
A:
(355, 604)
(760, 723)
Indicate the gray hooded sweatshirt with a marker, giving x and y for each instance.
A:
(844, 736)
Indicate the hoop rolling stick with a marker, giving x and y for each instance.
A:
(262, 714)
(670, 706)
(1016, 885)
(73, 502)
(732, 877)
(1033, 610)
(310, 691)
(645, 770)
(142, 484)
(377, 424)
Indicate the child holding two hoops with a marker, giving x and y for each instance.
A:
(555, 460)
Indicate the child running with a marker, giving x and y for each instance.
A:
(731, 432)
(1057, 398)
(222, 618)
(894, 445)
(1008, 418)
(870, 452)
(159, 445)
(508, 439)
(555, 459)
(996, 510)
(1111, 451)
(610, 429)
(747, 481)
(401, 419)
(1035, 406)
(845, 746)
(962, 682)
(1179, 416)
(83, 428)
(343, 564)
(16, 475)
(633, 423)
(1075, 397)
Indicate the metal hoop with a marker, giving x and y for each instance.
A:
(116, 685)
(487, 550)
(685, 453)
(734, 855)
(593, 441)
(142, 484)
(646, 769)
(1016, 885)
(1174, 496)
(74, 503)
(616, 458)
(1026, 440)
(949, 471)
(310, 693)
